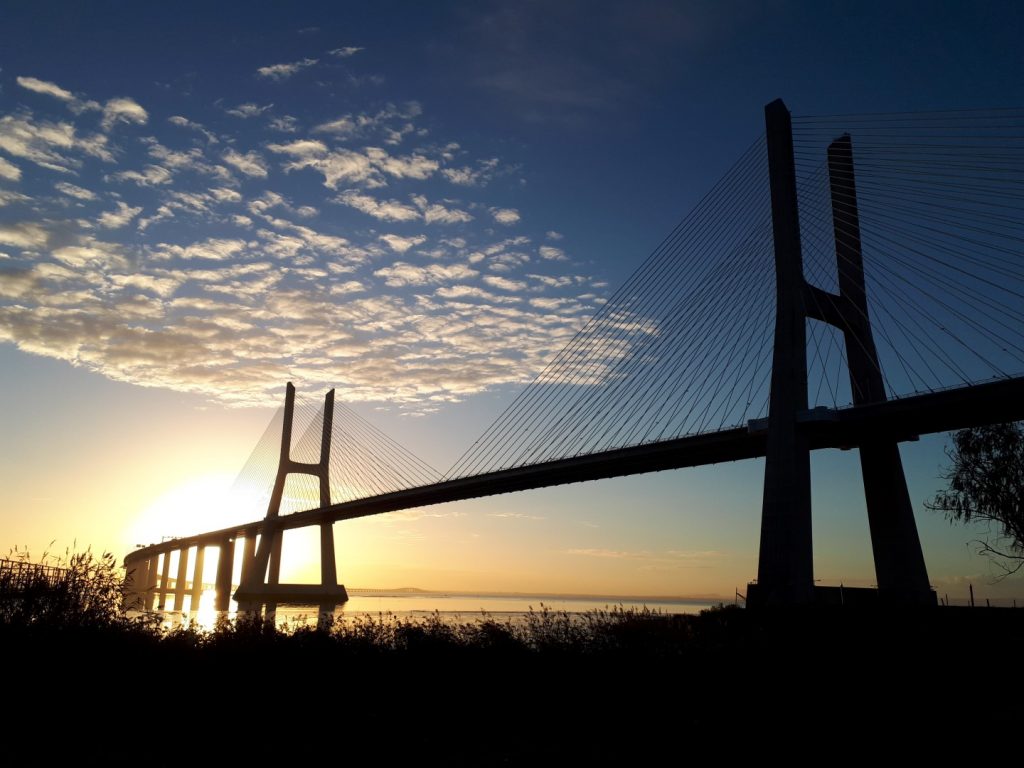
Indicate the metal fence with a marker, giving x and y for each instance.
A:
(16, 575)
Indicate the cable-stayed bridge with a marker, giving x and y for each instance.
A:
(853, 281)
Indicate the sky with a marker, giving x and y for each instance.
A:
(417, 204)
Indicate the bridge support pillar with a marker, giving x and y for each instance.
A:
(274, 572)
(248, 565)
(248, 556)
(197, 578)
(899, 562)
(328, 570)
(225, 567)
(785, 573)
(151, 582)
(165, 581)
(180, 580)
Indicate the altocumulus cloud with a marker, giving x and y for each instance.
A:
(284, 71)
(168, 254)
(123, 110)
(505, 215)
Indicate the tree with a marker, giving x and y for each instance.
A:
(986, 483)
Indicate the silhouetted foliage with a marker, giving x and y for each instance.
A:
(617, 686)
(986, 483)
(80, 590)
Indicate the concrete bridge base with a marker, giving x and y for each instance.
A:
(758, 597)
(293, 594)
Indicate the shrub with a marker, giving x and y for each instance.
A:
(79, 590)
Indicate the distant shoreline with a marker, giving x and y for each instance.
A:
(415, 591)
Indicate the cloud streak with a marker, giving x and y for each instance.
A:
(41, 86)
(346, 51)
(279, 72)
(9, 170)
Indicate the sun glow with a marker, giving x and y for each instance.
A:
(213, 501)
(201, 504)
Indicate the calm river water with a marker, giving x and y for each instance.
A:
(456, 607)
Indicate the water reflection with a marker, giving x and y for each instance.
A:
(457, 608)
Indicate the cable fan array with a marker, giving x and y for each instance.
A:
(940, 198)
(684, 347)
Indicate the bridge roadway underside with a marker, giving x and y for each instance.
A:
(900, 420)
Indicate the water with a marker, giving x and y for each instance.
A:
(472, 606)
(455, 607)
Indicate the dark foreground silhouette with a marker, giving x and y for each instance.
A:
(616, 687)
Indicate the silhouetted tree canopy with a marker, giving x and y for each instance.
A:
(986, 483)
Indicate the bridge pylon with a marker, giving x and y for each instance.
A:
(261, 565)
(786, 568)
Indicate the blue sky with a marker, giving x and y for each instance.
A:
(418, 204)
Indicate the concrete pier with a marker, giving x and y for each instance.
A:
(165, 581)
(180, 580)
(151, 581)
(197, 578)
(225, 566)
(248, 556)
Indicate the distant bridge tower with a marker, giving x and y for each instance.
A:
(261, 567)
(785, 571)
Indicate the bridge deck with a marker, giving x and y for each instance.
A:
(903, 419)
